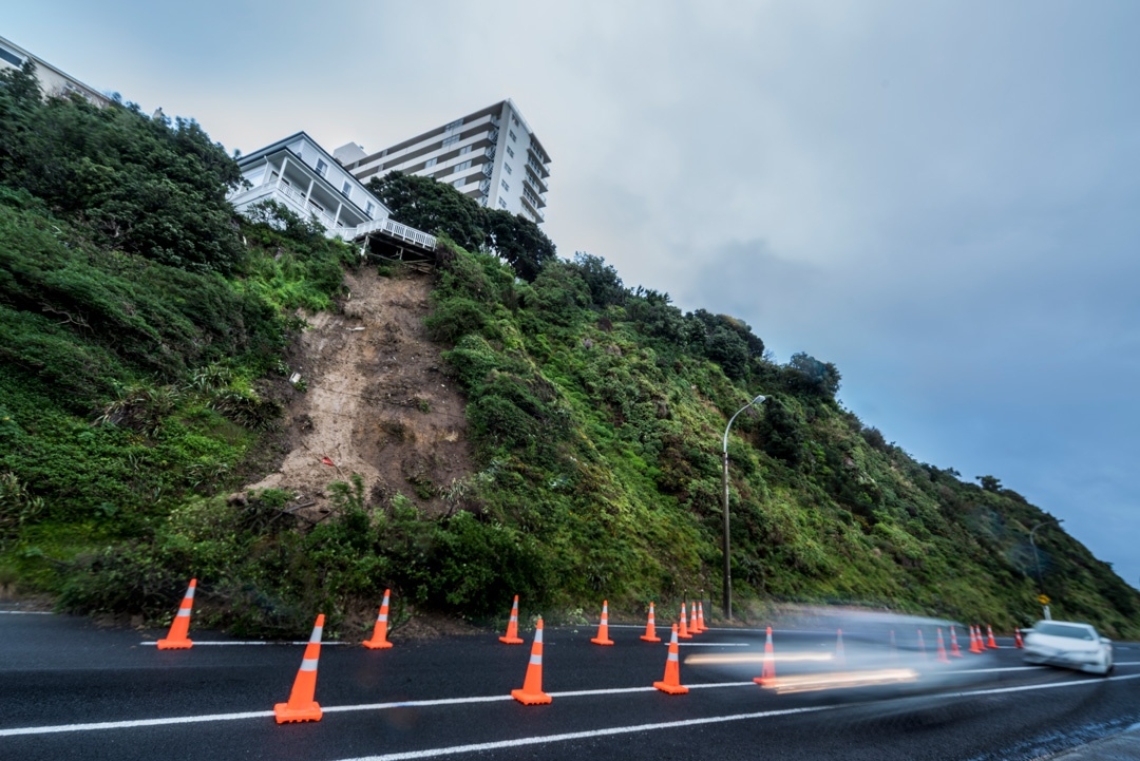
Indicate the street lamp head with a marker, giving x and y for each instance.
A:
(758, 399)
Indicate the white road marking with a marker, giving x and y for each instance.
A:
(131, 724)
(27, 612)
(249, 642)
(610, 731)
(717, 644)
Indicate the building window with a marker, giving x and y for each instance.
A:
(463, 167)
(465, 149)
(346, 188)
(511, 133)
(11, 57)
(502, 203)
(322, 167)
(454, 125)
(507, 167)
(506, 187)
(510, 152)
(460, 182)
(368, 208)
(430, 163)
(450, 141)
(514, 120)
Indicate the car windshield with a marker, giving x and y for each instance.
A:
(1063, 630)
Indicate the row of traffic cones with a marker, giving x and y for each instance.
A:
(687, 626)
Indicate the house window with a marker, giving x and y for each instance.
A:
(11, 57)
(430, 162)
(511, 133)
(502, 203)
(321, 167)
(506, 187)
(368, 207)
(510, 152)
(346, 188)
(507, 167)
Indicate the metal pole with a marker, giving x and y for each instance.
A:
(1037, 558)
(726, 549)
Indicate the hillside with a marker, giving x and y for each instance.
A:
(173, 378)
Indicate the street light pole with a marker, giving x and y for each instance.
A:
(1037, 558)
(727, 601)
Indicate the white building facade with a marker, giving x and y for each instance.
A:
(301, 175)
(53, 82)
(490, 155)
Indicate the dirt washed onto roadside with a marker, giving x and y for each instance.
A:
(377, 402)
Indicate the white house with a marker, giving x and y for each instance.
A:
(299, 174)
(53, 81)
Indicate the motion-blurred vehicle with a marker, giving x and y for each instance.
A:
(1068, 645)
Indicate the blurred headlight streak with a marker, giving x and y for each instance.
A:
(838, 680)
(721, 659)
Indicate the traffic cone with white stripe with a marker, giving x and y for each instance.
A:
(512, 635)
(954, 651)
(981, 639)
(975, 640)
(941, 649)
(701, 616)
(921, 644)
(840, 654)
(379, 639)
(992, 642)
(671, 683)
(603, 637)
(1017, 639)
(302, 706)
(683, 630)
(651, 627)
(531, 693)
(176, 639)
(694, 622)
(769, 669)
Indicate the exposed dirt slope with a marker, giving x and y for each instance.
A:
(377, 402)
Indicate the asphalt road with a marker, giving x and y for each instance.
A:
(69, 690)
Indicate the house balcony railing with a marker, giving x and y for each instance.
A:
(392, 229)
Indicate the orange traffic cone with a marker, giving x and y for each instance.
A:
(1017, 639)
(696, 626)
(512, 636)
(672, 680)
(701, 615)
(531, 693)
(301, 705)
(975, 641)
(981, 638)
(651, 627)
(683, 631)
(840, 655)
(954, 651)
(941, 649)
(603, 637)
(176, 639)
(769, 670)
(379, 639)
(992, 642)
(921, 644)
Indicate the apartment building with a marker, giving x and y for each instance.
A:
(53, 81)
(490, 155)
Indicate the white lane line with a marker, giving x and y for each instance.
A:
(716, 644)
(56, 729)
(250, 642)
(542, 739)
(27, 612)
(610, 731)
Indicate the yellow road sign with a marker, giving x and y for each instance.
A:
(1043, 599)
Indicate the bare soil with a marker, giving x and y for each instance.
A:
(377, 402)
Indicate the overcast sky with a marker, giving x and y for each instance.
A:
(942, 198)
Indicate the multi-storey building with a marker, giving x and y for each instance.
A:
(299, 174)
(491, 156)
(53, 82)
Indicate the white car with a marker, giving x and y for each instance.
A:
(1070, 645)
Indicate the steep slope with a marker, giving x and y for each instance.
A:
(376, 403)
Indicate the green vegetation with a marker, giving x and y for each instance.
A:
(145, 335)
